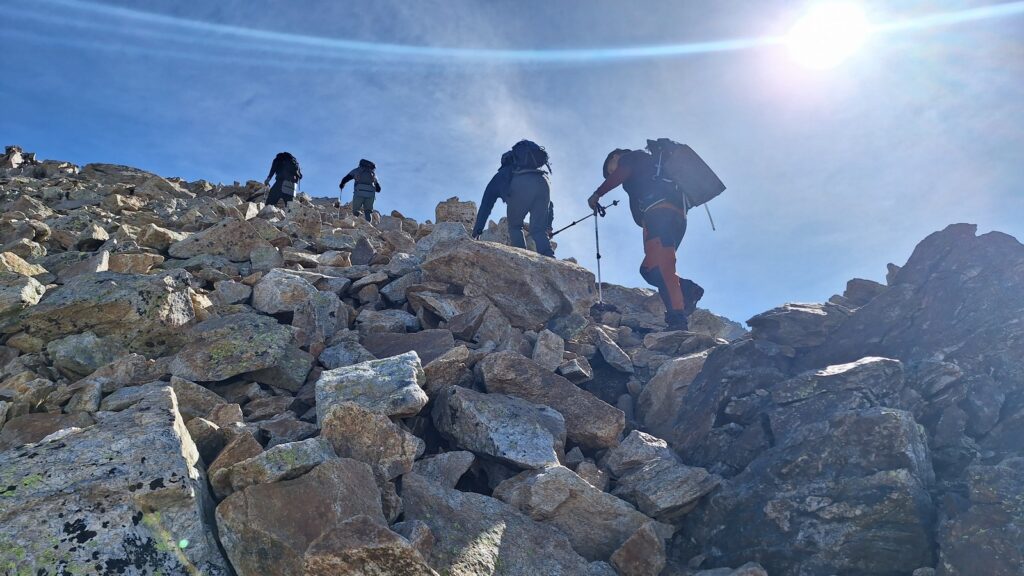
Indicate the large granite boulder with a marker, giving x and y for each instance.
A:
(362, 546)
(267, 528)
(281, 291)
(223, 347)
(18, 292)
(146, 314)
(501, 427)
(392, 386)
(528, 288)
(595, 522)
(589, 421)
(232, 238)
(125, 495)
(475, 534)
(846, 495)
(662, 397)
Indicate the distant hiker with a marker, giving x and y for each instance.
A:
(522, 183)
(366, 187)
(288, 173)
(659, 206)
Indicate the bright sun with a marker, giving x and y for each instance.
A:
(828, 34)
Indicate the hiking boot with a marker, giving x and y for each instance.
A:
(692, 293)
(676, 320)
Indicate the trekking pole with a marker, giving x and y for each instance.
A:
(708, 210)
(599, 211)
(575, 222)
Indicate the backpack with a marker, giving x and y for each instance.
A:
(694, 181)
(289, 165)
(528, 155)
(367, 173)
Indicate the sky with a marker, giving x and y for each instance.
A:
(831, 173)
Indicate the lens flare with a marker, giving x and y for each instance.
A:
(828, 35)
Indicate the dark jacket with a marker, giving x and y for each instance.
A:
(286, 168)
(353, 175)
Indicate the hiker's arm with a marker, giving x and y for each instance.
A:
(345, 181)
(621, 174)
(376, 184)
(273, 169)
(298, 174)
(551, 216)
(486, 205)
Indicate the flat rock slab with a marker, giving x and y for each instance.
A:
(528, 288)
(34, 427)
(231, 345)
(502, 427)
(232, 238)
(428, 344)
(147, 314)
(124, 494)
(267, 528)
(589, 421)
(392, 386)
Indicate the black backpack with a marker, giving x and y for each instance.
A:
(367, 173)
(528, 155)
(694, 181)
(289, 165)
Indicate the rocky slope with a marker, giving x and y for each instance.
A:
(193, 383)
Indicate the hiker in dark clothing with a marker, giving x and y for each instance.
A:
(366, 188)
(286, 168)
(656, 209)
(522, 182)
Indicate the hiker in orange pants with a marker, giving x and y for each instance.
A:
(654, 207)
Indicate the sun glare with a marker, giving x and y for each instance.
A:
(827, 35)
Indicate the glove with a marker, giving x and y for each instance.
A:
(593, 200)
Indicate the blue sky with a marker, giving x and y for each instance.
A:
(831, 173)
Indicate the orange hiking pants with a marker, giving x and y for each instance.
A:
(664, 227)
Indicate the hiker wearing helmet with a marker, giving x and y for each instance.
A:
(286, 168)
(522, 182)
(366, 188)
(659, 209)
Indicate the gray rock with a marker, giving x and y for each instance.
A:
(194, 401)
(589, 421)
(318, 318)
(548, 350)
(392, 386)
(596, 522)
(124, 492)
(798, 325)
(428, 344)
(232, 238)
(231, 292)
(345, 353)
(30, 428)
(355, 432)
(224, 347)
(266, 528)
(643, 554)
(611, 352)
(502, 427)
(528, 288)
(475, 534)
(288, 373)
(363, 545)
(445, 469)
(18, 292)
(282, 462)
(281, 291)
(146, 314)
(662, 398)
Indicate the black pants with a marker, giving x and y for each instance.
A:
(276, 194)
(530, 193)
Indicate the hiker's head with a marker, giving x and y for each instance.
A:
(364, 163)
(612, 161)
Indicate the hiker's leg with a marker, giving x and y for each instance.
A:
(357, 205)
(663, 232)
(539, 216)
(273, 195)
(368, 207)
(517, 208)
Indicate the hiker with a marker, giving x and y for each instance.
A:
(522, 183)
(366, 188)
(658, 208)
(288, 173)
